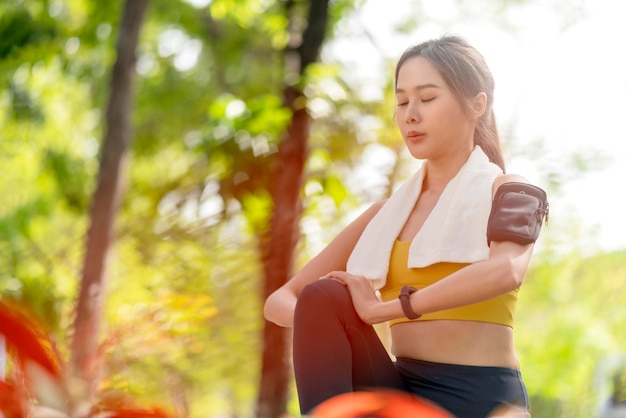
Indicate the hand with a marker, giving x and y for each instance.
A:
(363, 296)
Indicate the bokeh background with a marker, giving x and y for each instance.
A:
(150, 206)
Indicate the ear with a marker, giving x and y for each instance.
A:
(479, 104)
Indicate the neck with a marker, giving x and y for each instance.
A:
(439, 172)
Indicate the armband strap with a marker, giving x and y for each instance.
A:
(517, 213)
(405, 302)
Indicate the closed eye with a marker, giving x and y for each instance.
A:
(428, 100)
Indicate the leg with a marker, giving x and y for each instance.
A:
(334, 351)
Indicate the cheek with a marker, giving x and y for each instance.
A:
(453, 116)
(398, 117)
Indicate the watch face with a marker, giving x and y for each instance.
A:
(407, 290)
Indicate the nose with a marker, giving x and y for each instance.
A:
(412, 113)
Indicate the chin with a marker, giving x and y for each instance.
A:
(418, 154)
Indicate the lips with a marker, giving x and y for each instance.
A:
(415, 135)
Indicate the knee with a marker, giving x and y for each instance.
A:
(324, 293)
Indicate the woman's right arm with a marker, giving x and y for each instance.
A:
(280, 305)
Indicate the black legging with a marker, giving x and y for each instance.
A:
(336, 352)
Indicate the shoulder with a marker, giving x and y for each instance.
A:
(506, 178)
(371, 211)
(375, 207)
(359, 223)
(352, 232)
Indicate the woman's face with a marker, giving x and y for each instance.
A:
(431, 119)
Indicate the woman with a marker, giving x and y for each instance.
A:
(448, 289)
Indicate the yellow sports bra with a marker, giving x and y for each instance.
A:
(499, 310)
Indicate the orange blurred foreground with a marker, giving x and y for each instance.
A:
(379, 404)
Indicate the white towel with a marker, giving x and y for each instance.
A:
(455, 231)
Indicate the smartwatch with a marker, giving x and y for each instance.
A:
(405, 302)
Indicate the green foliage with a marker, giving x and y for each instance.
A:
(569, 321)
(20, 29)
(70, 174)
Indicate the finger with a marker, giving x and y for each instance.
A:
(333, 275)
(334, 279)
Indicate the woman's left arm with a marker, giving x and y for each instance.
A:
(501, 272)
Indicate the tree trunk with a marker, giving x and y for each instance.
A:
(278, 264)
(282, 236)
(85, 359)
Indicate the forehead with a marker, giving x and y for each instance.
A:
(418, 71)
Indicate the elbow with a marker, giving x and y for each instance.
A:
(510, 263)
(513, 272)
(277, 309)
(516, 280)
(268, 311)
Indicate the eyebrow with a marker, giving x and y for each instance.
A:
(420, 87)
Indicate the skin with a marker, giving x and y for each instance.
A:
(438, 129)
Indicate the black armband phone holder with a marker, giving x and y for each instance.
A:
(517, 213)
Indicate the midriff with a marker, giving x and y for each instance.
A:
(456, 342)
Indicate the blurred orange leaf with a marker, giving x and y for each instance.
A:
(25, 337)
(12, 401)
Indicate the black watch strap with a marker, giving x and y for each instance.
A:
(405, 302)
